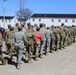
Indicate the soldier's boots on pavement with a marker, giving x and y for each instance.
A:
(46, 53)
(36, 59)
(18, 66)
(30, 61)
(3, 62)
(41, 56)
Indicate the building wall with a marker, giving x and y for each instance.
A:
(53, 21)
(8, 21)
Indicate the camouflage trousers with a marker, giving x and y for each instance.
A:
(48, 42)
(62, 39)
(53, 44)
(19, 51)
(30, 50)
(9, 50)
(42, 46)
(57, 43)
(37, 49)
(1, 55)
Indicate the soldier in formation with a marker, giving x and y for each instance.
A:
(35, 41)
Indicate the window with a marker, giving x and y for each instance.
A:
(59, 20)
(66, 20)
(2, 20)
(52, 20)
(73, 20)
(33, 19)
(9, 20)
(39, 19)
(6, 20)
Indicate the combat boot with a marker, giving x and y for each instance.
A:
(26, 58)
(41, 55)
(18, 66)
(47, 53)
(3, 61)
(36, 58)
(30, 61)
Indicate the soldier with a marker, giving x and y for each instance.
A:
(1, 55)
(6, 37)
(54, 38)
(24, 28)
(28, 24)
(58, 34)
(18, 43)
(66, 37)
(69, 35)
(31, 41)
(38, 39)
(48, 39)
(16, 27)
(62, 35)
(10, 35)
(43, 39)
(73, 28)
(35, 26)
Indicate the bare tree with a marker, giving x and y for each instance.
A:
(23, 13)
(19, 13)
(27, 13)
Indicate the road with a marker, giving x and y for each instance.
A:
(62, 62)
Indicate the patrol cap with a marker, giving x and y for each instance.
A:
(62, 24)
(38, 28)
(9, 25)
(48, 27)
(30, 26)
(17, 24)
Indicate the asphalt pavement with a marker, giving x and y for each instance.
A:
(62, 62)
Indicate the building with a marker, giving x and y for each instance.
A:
(8, 20)
(48, 19)
(53, 19)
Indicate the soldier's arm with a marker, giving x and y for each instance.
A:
(34, 38)
(25, 39)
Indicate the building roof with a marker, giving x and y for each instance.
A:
(6, 17)
(54, 16)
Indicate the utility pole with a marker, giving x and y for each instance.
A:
(4, 10)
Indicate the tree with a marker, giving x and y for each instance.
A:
(23, 13)
(27, 13)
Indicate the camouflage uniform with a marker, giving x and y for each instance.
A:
(48, 39)
(43, 41)
(9, 38)
(62, 36)
(7, 31)
(73, 28)
(69, 36)
(18, 42)
(58, 33)
(1, 55)
(31, 41)
(54, 38)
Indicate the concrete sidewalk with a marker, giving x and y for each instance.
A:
(62, 62)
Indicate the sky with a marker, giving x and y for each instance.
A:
(40, 6)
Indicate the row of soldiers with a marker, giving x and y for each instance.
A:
(35, 40)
